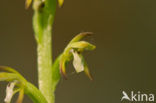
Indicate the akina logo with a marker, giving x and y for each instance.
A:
(137, 96)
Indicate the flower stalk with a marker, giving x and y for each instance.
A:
(44, 11)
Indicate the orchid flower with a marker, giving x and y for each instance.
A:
(74, 50)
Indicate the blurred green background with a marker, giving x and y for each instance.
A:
(124, 33)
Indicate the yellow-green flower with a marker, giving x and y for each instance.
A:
(74, 51)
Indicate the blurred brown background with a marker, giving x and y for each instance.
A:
(124, 33)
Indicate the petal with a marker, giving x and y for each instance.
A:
(86, 69)
(9, 92)
(80, 36)
(12, 77)
(87, 72)
(63, 68)
(77, 62)
(83, 45)
(21, 96)
(8, 69)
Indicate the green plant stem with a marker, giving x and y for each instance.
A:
(42, 22)
(45, 67)
(35, 95)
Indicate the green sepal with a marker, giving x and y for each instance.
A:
(21, 96)
(80, 36)
(63, 65)
(82, 45)
(9, 77)
(86, 69)
(8, 69)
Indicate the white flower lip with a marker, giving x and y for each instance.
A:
(77, 62)
(9, 92)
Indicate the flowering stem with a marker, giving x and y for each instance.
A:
(44, 11)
